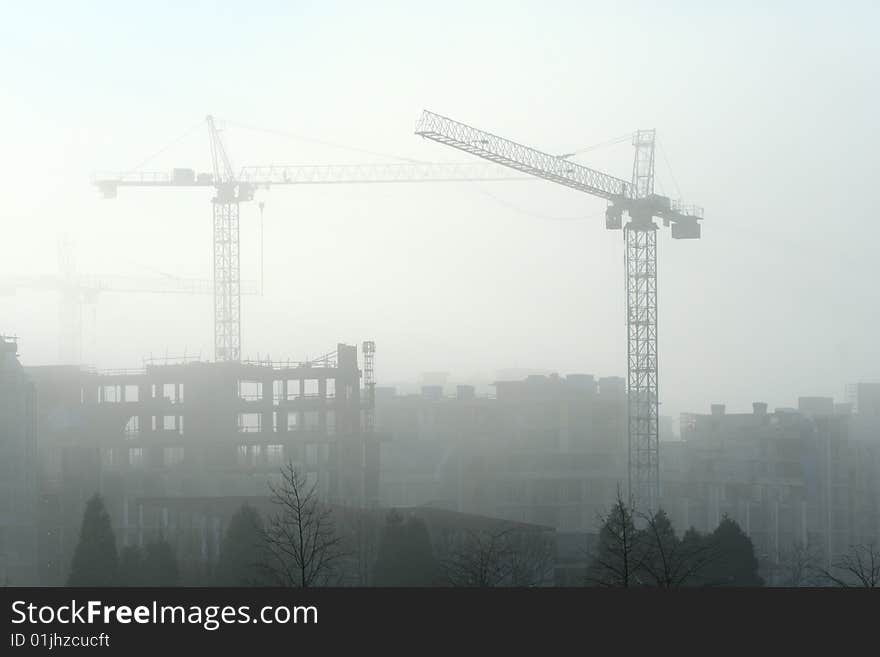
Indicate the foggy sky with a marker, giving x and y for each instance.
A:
(767, 117)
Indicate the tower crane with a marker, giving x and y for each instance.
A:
(636, 199)
(82, 290)
(231, 189)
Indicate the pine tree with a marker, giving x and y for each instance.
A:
(95, 562)
(617, 561)
(154, 565)
(405, 557)
(160, 564)
(701, 555)
(735, 563)
(241, 550)
(131, 566)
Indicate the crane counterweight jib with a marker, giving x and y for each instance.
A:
(108, 183)
(251, 177)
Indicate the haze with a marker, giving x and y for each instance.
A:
(766, 120)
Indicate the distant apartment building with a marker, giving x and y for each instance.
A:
(547, 450)
(788, 476)
(18, 471)
(551, 450)
(197, 430)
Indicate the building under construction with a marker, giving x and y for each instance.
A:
(196, 430)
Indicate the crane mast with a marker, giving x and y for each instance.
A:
(642, 381)
(637, 199)
(227, 265)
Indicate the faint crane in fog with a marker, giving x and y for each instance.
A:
(77, 291)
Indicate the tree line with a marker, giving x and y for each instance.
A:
(643, 550)
(299, 544)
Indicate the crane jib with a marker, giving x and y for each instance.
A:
(522, 158)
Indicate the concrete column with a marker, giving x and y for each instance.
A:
(776, 530)
(140, 525)
(803, 522)
(125, 520)
(564, 428)
(143, 404)
(203, 535)
(686, 510)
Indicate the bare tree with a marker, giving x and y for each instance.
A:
(531, 558)
(859, 567)
(478, 559)
(302, 547)
(503, 557)
(800, 566)
(618, 557)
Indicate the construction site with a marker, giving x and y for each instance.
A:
(224, 428)
(319, 320)
(175, 446)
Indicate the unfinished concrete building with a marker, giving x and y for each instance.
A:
(200, 430)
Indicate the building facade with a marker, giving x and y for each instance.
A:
(788, 477)
(547, 450)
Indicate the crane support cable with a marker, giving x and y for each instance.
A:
(167, 146)
(602, 144)
(669, 167)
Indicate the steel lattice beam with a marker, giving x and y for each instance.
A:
(374, 173)
(311, 174)
(522, 158)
